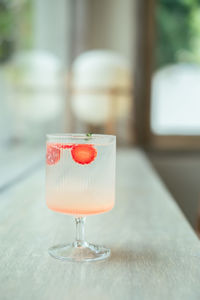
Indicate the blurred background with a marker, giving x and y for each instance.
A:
(124, 67)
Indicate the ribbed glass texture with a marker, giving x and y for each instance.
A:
(80, 189)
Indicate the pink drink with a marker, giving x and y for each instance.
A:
(80, 174)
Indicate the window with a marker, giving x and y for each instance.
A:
(168, 93)
(175, 94)
(35, 54)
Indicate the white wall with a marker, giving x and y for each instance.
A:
(52, 25)
(98, 24)
(113, 26)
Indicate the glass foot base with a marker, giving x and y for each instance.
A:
(79, 252)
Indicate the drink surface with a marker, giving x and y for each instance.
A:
(80, 184)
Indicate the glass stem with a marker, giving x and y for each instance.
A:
(80, 232)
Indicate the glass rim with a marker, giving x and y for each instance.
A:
(80, 136)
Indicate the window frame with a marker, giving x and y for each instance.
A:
(142, 87)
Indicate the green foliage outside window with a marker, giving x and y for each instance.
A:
(177, 31)
(15, 26)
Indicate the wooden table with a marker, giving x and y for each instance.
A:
(155, 253)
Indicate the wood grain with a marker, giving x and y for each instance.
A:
(155, 253)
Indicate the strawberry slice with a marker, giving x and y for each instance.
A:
(83, 153)
(52, 154)
(66, 146)
(63, 146)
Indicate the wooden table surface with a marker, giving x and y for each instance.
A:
(155, 253)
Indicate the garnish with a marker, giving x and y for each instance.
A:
(89, 134)
(52, 154)
(62, 146)
(66, 146)
(83, 153)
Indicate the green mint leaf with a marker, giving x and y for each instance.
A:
(89, 134)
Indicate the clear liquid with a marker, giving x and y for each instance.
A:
(81, 190)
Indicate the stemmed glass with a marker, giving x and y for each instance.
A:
(80, 181)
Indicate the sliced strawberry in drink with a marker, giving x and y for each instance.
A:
(66, 146)
(52, 154)
(62, 146)
(83, 153)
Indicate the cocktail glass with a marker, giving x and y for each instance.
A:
(80, 181)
